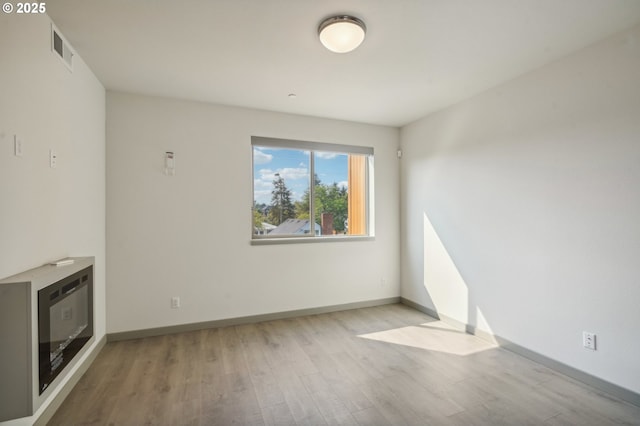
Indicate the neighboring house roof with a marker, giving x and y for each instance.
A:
(294, 226)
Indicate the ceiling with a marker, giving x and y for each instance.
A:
(419, 56)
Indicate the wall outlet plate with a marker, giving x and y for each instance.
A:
(53, 159)
(589, 340)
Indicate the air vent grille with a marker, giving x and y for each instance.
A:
(61, 48)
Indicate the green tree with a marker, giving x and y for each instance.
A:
(328, 199)
(332, 199)
(302, 207)
(258, 215)
(282, 207)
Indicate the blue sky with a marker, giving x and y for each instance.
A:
(293, 166)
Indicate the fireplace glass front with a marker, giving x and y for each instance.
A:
(65, 322)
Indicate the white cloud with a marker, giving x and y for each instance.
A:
(287, 173)
(262, 196)
(343, 184)
(262, 184)
(267, 174)
(294, 173)
(260, 157)
(326, 155)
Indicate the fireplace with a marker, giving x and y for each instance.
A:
(46, 329)
(65, 323)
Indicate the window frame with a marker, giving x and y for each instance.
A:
(312, 148)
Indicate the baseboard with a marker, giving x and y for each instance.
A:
(51, 409)
(161, 331)
(586, 378)
(419, 307)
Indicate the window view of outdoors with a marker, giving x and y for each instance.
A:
(288, 202)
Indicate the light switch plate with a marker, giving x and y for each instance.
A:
(17, 146)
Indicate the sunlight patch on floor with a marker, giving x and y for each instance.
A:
(434, 336)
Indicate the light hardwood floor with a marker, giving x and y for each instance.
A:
(387, 365)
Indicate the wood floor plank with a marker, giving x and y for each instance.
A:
(300, 402)
(231, 351)
(287, 354)
(386, 365)
(579, 402)
(370, 417)
(393, 408)
(429, 406)
(278, 415)
(352, 396)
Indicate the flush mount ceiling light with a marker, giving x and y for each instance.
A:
(342, 33)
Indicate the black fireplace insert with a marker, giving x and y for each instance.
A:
(65, 322)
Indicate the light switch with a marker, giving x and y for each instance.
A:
(17, 146)
(169, 163)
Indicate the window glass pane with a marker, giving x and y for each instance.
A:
(309, 189)
(331, 192)
(281, 178)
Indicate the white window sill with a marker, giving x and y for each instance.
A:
(304, 240)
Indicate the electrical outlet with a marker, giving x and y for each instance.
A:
(175, 302)
(53, 159)
(589, 340)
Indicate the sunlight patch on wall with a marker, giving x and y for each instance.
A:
(483, 326)
(434, 336)
(442, 280)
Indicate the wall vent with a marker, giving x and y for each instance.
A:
(61, 48)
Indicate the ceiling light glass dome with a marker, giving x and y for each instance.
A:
(342, 34)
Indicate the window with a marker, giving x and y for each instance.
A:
(309, 189)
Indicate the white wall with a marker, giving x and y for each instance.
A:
(189, 235)
(45, 213)
(520, 210)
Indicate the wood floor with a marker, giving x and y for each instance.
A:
(387, 365)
